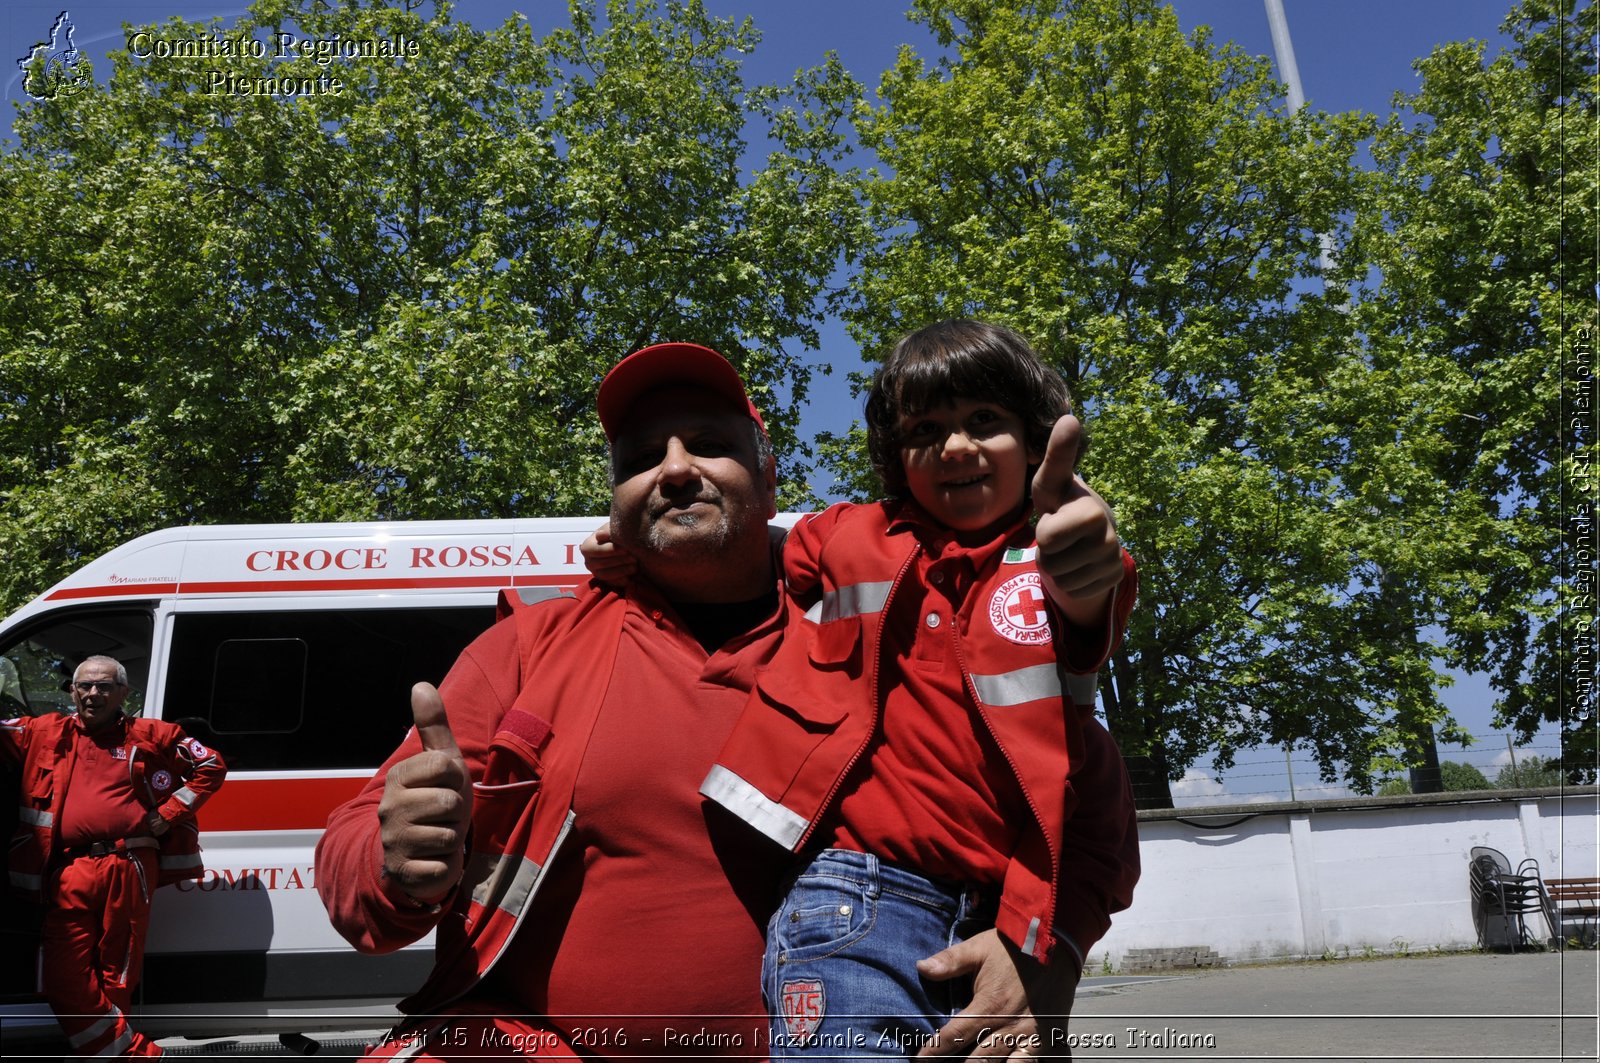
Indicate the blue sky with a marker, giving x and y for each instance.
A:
(1352, 54)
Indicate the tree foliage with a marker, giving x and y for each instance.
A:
(1455, 775)
(1482, 233)
(1531, 772)
(1142, 206)
(395, 300)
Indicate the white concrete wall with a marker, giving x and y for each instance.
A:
(1288, 881)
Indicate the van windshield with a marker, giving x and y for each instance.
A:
(36, 670)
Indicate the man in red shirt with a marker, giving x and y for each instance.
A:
(597, 905)
(106, 815)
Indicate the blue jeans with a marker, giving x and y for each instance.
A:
(839, 974)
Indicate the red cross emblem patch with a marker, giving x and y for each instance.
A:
(803, 1008)
(1019, 610)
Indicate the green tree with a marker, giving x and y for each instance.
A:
(1458, 776)
(1455, 776)
(1482, 234)
(1142, 207)
(1312, 483)
(394, 300)
(1529, 772)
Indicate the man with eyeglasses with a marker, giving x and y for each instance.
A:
(107, 814)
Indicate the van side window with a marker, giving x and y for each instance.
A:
(240, 706)
(35, 670)
(309, 688)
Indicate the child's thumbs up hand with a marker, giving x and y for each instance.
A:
(1080, 556)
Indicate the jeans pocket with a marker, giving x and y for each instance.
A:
(820, 916)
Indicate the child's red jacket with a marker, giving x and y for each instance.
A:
(819, 703)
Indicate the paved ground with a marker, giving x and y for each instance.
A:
(1468, 1007)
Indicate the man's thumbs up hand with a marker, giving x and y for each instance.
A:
(1080, 556)
(433, 726)
(427, 806)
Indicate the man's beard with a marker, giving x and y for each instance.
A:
(714, 532)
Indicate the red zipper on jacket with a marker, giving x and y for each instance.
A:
(877, 699)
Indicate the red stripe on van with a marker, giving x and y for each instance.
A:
(278, 585)
(394, 583)
(276, 804)
(142, 589)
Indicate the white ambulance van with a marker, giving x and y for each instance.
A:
(291, 649)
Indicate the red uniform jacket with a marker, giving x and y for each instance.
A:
(171, 772)
(521, 811)
(818, 705)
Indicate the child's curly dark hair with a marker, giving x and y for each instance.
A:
(940, 363)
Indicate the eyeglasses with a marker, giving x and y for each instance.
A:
(102, 687)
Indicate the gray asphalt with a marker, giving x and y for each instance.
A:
(1466, 1006)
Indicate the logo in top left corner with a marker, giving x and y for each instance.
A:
(54, 67)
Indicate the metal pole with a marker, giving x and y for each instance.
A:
(1288, 763)
(1283, 48)
(1516, 779)
(1289, 70)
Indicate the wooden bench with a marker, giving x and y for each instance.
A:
(1573, 900)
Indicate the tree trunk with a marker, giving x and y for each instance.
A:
(1151, 787)
(1425, 778)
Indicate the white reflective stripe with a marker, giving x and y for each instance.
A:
(814, 614)
(1032, 937)
(854, 600)
(27, 882)
(535, 595)
(127, 955)
(187, 796)
(1018, 687)
(532, 889)
(1081, 688)
(35, 818)
(506, 881)
(117, 1047)
(106, 1022)
(516, 923)
(754, 807)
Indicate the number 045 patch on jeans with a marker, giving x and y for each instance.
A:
(840, 975)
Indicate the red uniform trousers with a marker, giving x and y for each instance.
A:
(92, 949)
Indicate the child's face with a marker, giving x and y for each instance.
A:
(966, 463)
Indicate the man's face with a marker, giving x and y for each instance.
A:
(97, 694)
(689, 487)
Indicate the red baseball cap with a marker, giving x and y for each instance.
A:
(663, 365)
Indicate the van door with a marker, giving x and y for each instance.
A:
(36, 667)
(303, 699)
(304, 696)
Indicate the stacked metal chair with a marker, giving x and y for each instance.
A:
(1502, 898)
